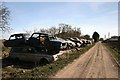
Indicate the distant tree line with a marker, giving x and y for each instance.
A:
(66, 30)
(63, 30)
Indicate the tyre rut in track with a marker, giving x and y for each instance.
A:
(86, 65)
(97, 68)
(95, 63)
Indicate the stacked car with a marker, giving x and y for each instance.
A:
(63, 45)
(17, 40)
(40, 47)
(70, 44)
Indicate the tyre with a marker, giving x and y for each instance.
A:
(43, 62)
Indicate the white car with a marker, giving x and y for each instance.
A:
(77, 42)
(70, 43)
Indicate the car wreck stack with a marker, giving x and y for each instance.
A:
(44, 43)
(40, 41)
(41, 48)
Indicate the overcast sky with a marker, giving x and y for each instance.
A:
(89, 16)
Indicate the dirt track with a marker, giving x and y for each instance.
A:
(95, 63)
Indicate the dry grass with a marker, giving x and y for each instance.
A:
(1, 48)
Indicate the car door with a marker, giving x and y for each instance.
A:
(11, 42)
(20, 40)
(34, 40)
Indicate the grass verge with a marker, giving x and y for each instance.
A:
(116, 52)
(49, 69)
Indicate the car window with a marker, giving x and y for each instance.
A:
(12, 38)
(19, 37)
(26, 36)
(46, 38)
(35, 36)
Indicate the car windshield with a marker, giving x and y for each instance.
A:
(27, 36)
(52, 38)
(12, 37)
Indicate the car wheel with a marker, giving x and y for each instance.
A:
(43, 62)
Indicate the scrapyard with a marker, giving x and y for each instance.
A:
(40, 47)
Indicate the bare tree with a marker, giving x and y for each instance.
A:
(28, 31)
(43, 30)
(66, 30)
(78, 30)
(53, 30)
(63, 31)
(4, 17)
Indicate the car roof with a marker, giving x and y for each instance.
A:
(20, 34)
(41, 33)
